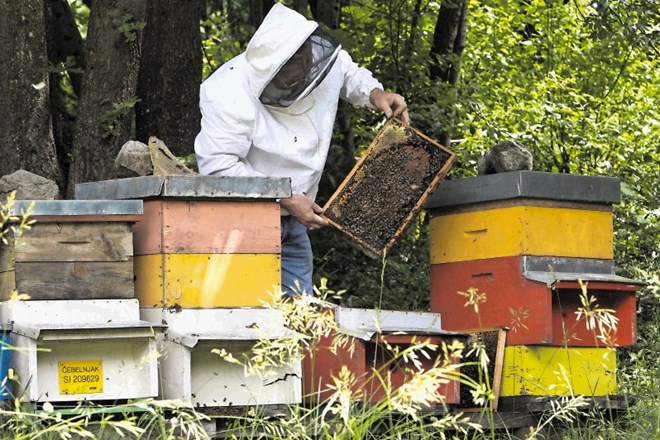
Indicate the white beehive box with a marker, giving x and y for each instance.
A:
(81, 350)
(190, 371)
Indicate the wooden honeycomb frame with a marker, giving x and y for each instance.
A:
(388, 186)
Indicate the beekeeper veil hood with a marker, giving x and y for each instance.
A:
(289, 56)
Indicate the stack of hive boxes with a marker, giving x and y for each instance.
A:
(207, 260)
(77, 334)
(530, 243)
(368, 353)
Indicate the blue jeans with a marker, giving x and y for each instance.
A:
(297, 258)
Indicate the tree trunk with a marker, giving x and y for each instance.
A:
(447, 51)
(170, 74)
(66, 52)
(26, 133)
(109, 90)
(449, 41)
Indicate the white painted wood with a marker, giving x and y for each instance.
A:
(248, 323)
(364, 323)
(70, 311)
(130, 369)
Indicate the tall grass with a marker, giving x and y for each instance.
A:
(345, 411)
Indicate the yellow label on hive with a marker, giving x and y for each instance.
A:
(80, 377)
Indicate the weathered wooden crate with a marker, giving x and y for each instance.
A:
(536, 298)
(74, 250)
(205, 241)
(558, 371)
(388, 186)
(69, 351)
(367, 359)
(192, 372)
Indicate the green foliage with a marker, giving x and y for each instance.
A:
(128, 27)
(111, 120)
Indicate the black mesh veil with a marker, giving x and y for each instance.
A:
(303, 71)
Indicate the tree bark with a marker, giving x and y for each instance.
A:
(170, 74)
(447, 51)
(109, 90)
(26, 133)
(449, 41)
(66, 53)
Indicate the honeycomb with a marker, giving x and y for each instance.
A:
(388, 186)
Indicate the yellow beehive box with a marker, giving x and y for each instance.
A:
(521, 230)
(557, 371)
(206, 280)
(523, 213)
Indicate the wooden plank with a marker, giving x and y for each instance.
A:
(554, 371)
(7, 254)
(75, 242)
(208, 227)
(206, 280)
(508, 299)
(521, 230)
(568, 330)
(75, 280)
(148, 234)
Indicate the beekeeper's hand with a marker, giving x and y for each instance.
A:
(305, 210)
(392, 104)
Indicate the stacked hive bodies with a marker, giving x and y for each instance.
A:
(368, 355)
(78, 334)
(529, 243)
(207, 261)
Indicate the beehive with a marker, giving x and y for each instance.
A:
(75, 250)
(388, 186)
(524, 241)
(6, 389)
(192, 372)
(370, 362)
(558, 371)
(69, 351)
(205, 241)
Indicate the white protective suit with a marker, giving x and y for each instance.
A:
(240, 136)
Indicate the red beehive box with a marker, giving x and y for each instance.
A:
(371, 363)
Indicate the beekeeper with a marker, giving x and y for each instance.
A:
(270, 112)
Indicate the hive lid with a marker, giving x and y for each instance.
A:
(69, 209)
(199, 187)
(388, 186)
(526, 184)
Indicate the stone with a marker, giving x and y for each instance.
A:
(135, 157)
(503, 157)
(28, 186)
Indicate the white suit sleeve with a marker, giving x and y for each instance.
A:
(358, 82)
(224, 140)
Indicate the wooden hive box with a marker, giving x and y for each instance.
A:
(74, 250)
(388, 186)
(205, 241)
(191, 372)
(524, 240)
(558, 371)
(366, 354)
(6, 389)
(536, 298)
(75, 350)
